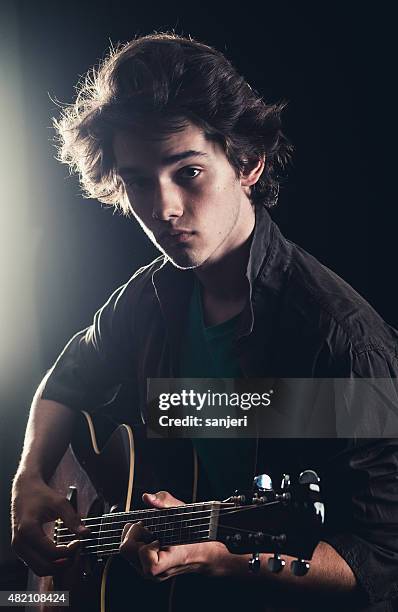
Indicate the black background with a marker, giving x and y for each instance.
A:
(332, 62)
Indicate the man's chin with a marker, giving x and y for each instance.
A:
(184, 261)
(184, 265)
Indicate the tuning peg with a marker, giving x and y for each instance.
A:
(276, 564)
(262, 482)
(309, 477)
(320, 510)
(254, 563)
(285, 484)
(299, 567)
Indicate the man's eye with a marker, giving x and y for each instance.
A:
(190, 173)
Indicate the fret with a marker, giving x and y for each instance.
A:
(206, 528)
(168, 528)
(114, 532)
(171, 526)
(161, 521)
(183, 524)
(105, 522)
(193, 523)
(213, 521)
(133, 517)
(175, 525)
(153, 522)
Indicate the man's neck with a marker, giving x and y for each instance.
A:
(225, 287)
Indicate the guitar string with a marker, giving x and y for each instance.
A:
(116, 550)
(165, 543)
(192, 505)
(169, 541)
(148, 511)
(126, 520)
(186, 515)
(147, 522)
(69, 537)
(175, 538)
(159, 528)
(118, 533)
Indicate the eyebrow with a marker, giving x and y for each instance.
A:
(165, 161)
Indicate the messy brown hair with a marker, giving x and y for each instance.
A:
(163, 81)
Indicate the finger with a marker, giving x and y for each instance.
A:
(31, 536)
(172, 556)
(176, 560)
(125, 530)
(161, 499)
(160, 564)
(137, 532)
(148, 555)
(133, 538)
(72, 520)
(73, 551)
(40, 566)
(131, 556)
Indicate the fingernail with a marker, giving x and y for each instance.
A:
(152, 496)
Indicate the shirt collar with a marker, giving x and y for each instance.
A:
(261, 243)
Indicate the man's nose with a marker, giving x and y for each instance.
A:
(166, 203)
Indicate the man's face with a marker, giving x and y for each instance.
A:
(185, 194)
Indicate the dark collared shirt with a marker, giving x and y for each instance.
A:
(302, 321)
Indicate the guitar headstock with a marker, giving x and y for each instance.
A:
(285, 520)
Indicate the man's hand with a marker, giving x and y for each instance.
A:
(329, 573)
(158, 563)
(33, 504)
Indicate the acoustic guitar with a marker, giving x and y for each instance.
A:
(104, 475)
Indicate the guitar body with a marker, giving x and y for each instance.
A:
(108, 471)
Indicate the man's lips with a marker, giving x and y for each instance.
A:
(182, 235)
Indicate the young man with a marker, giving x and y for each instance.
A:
(170, 132)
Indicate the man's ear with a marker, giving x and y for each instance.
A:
(252, 171)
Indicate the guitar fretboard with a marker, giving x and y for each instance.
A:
(171, 526)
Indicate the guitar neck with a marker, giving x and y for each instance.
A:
(294, 529)
(171, 526)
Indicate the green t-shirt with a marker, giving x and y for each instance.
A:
(207, 352)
